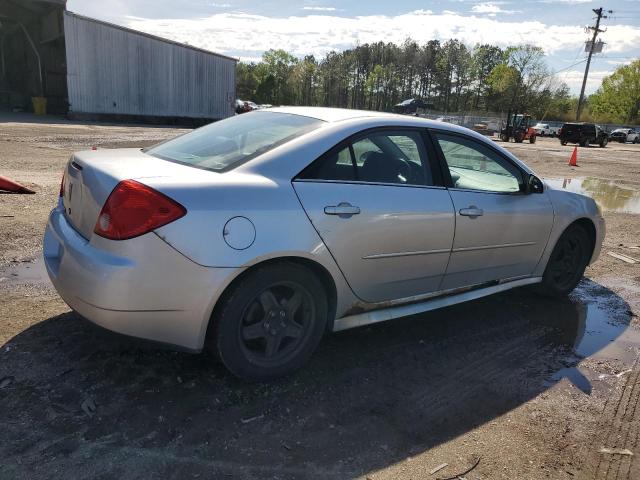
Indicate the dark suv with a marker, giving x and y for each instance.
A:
(583, 134)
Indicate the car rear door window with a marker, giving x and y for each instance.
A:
(474, 166)
(386, 157)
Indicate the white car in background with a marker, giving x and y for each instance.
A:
(545, 130)
(623, 135)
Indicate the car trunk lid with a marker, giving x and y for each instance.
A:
(90, 176)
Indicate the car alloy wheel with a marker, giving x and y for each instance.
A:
(276, 322)
(270, 321)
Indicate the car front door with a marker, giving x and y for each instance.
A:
(501, 232)
(382, 213)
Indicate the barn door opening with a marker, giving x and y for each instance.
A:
(32, 55)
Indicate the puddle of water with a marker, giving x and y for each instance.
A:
(594, 323)
(609, 196)
(31, 272)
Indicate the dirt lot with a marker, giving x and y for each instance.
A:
(534, 388)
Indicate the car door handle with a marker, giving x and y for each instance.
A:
(471, 211)
(343, 209)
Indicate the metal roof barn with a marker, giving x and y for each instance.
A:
(119, 71)
(64, 63)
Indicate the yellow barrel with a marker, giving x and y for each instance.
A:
(39, 105)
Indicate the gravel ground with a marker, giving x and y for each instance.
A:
(533, 388)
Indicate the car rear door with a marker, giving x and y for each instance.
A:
(501, 232)
(382, 212)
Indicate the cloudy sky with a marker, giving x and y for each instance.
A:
(244, 29)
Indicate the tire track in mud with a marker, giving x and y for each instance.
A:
(495, 364)
(622, 415)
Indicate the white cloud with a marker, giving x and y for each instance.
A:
(570, 2)
(491, 8)
(221, 5)
(320, 9)
(242, 34)
(618, 63)
(573, 79)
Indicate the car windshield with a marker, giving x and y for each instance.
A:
(226, 144)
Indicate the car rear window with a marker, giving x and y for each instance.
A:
(228, 143)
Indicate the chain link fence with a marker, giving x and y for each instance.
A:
(491, 122)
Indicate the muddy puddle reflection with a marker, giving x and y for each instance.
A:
(607, 193)
(592, 323)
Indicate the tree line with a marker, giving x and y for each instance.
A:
(448, 76)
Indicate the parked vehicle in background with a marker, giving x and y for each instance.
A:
(519, 128)
(411, 106)
(244, 106)
(256, 235)
(452, 120)
(545, 130)
(623, 135)
(583, 134)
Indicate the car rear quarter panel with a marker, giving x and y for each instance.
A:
(282, 229)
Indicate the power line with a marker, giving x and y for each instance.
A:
(567, 68)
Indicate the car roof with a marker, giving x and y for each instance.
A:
(331, 114)
(364, 117)
(341, 123)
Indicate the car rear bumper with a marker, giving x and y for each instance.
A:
(140, 287)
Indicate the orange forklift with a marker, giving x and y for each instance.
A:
(519, 128)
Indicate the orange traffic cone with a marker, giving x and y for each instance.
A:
(11, 186)
(573, 161)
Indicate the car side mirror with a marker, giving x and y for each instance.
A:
(534, 185)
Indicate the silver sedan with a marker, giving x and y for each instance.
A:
(256, 235)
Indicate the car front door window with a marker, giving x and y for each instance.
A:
(476, 167)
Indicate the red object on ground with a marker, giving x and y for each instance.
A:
(11, 186)
(573, 161)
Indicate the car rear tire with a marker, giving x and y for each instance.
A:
(603, 142)
(563, 143)
(532, 139)
(567, 262)
(271, 322)
(584, 143)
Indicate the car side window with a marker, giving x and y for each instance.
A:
(396, 157)
(337, 166)
(474, 166)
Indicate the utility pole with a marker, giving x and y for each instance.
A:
(596, 31)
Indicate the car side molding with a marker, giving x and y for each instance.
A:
(445, 300)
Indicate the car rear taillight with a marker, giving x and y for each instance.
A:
(62, 185)
(134, 209)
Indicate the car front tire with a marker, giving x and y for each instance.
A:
(567, 262)
(271, 321)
